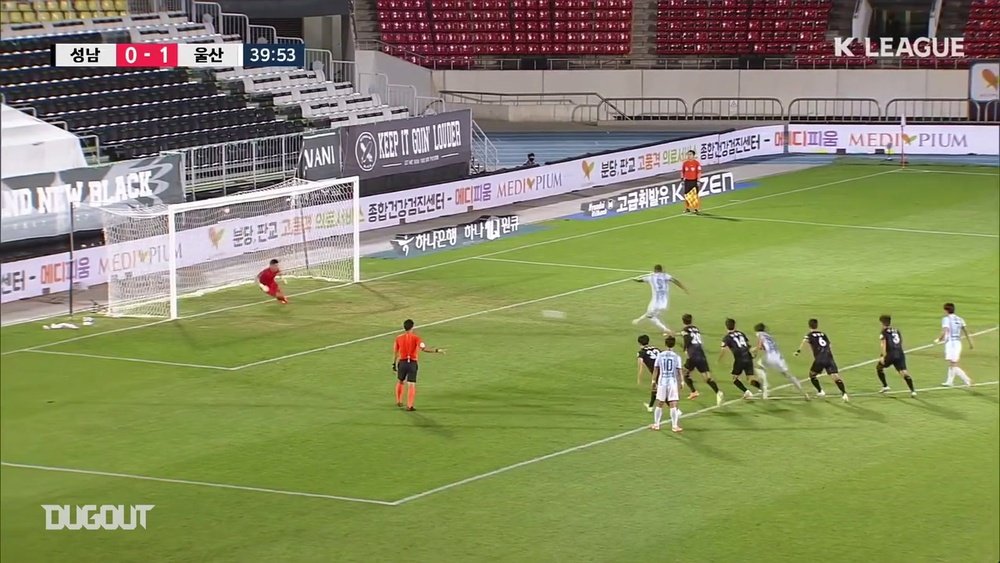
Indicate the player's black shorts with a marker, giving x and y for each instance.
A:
(697, 363)
(898, 362)
(742, 366)
(824, 364)
(690, 185)
(406, 371)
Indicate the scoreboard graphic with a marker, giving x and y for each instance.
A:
(179, 55)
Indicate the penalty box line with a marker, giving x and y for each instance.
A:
(468, 258)
(628, 433)
(443, 488)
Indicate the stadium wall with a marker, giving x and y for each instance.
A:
(690, 85)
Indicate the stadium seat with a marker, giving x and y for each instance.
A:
(464, 29)
(731, 27)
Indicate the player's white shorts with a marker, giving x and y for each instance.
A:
(953, 350)
(667, 392)
(775, 362)
(656, 307)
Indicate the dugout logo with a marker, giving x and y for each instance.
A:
(94, 517)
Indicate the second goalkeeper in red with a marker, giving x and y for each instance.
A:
(267, 280)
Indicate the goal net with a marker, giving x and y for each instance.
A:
(190, 249)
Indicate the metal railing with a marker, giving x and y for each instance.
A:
(736, 108)
(211, 14)
(253, 162)
(841, 109)
(592, 108)
(927, 110)
(485, 157)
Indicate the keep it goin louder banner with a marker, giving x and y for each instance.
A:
(37, 205)
(399, 146)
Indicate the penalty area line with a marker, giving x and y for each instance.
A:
(628, 433)
(133, 360)
(195, 483)
(432, 323)
(866, 227)
(730, 203)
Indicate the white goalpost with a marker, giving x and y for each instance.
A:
(189, 249)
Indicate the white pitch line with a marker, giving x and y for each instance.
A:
(560, 265)
(620, 435)
(949, 172)
(133, 360)
(195, 483)
(431, 491)
(433, 323)
(865, 227)
(467, 258)
(878, 394)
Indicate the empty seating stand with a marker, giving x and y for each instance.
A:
(134, 112)
(982, 32)
(736, 27)
(454, 32)
(35, 11)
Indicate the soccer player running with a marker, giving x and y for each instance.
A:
(952, 329)
(892, 354)
(659, 283)
(690, 174)
(268, 282)
(738, 343)
(647, 362)
(696, 359)
(404, 362)
(822, 359)
(666, 376)
(772, 357)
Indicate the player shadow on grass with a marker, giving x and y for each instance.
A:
(708, 215)
(933, 408)
(702, 447)
(985, 397)
(860, 411)
(424, 422)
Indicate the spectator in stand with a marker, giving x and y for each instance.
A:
(531, 160)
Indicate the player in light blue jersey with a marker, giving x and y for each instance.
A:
(952, 330)
(659, 284)
(769, 356)
(667, 375)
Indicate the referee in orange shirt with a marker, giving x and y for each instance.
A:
(691, 173)
(404, 363)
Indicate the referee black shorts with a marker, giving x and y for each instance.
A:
(406, 370)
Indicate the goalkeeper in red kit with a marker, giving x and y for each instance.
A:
(268, 284)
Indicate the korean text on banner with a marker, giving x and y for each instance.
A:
(320, 157)
(38, 205)
(399, 146)
(917, 139)
(486, 192)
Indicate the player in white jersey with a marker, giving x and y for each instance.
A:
(952, 329)
(772, 358)
(667, 375)
(659, 283)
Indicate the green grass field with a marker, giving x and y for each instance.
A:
(268, 433)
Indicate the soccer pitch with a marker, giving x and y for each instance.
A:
(269, 433)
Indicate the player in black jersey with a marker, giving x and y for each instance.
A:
(646, 360)
(892, 355)
(696, 359)
(822, 359)
(738, 343)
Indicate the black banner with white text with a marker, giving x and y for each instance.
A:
(320, 157)
(38, 205)
(402, 146)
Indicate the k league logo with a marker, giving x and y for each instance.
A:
(366, 151)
